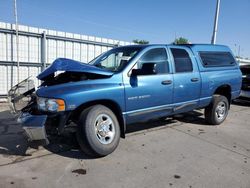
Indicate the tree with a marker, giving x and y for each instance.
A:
(136, 41)
(181, 40)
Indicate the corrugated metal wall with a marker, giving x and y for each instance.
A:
(31, 56)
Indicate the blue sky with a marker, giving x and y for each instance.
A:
(155, 20)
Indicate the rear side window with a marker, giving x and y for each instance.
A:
(211, 59)
(182, 60)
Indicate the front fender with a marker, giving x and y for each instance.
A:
(74, 96)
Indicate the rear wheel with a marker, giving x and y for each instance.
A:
(98, 131)
(217, 111)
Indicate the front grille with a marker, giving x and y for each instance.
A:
(20, 95)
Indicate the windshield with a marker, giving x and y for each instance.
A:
(116, 59)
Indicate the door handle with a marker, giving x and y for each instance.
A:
(166, 82)
(194, 79)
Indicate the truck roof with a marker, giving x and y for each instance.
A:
(194, 47)
(206, 47)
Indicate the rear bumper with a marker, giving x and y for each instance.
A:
(244, 93)
(34, 126)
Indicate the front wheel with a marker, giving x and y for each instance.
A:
(98, 131)
(217, 111)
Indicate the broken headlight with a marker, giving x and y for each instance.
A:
(51, 105)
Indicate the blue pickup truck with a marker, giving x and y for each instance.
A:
(126, 85)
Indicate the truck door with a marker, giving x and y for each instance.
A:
(187, 81)
(149, 94)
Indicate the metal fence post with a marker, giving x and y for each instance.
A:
(43, 51)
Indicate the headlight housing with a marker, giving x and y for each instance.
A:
(51, 105)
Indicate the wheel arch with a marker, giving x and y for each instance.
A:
(112, 105)
(224, 90)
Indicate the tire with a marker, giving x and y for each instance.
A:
(98, 131)
(217, 111)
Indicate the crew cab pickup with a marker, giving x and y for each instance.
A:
(126, 85)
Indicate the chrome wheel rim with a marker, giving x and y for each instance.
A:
(221, 110)
(104, 129)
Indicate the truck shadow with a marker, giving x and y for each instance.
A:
(13, 142)
(194, 117)
(73, 150)
(242, 102)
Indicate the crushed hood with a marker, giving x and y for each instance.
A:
(63, 64)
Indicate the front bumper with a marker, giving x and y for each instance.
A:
(244, 93)
(34, 126)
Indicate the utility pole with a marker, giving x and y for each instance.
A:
(213, 41)
(17, 41)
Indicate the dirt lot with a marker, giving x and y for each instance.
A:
(180, 152)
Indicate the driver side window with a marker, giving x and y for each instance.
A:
(157, 56)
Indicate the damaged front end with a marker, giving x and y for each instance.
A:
(44, 115)
(22, 102)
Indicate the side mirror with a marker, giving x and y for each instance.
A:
(146, 69)
(136, 72)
